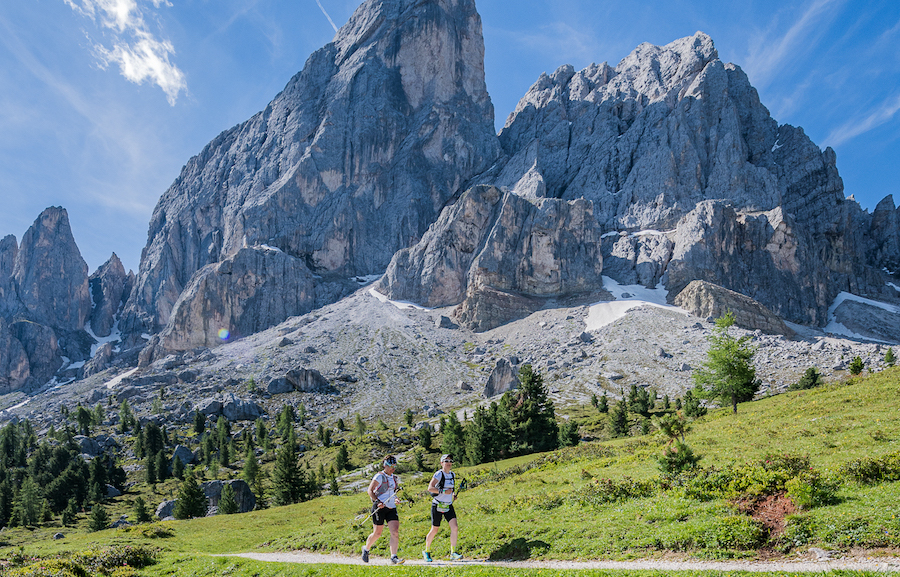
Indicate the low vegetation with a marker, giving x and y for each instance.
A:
(817, 466)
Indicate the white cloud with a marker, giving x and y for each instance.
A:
(770, 54)
(860, 125)
(139, 54)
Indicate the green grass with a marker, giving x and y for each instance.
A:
(528, 507)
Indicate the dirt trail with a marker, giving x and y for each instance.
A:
(881, 564)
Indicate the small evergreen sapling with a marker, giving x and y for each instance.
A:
(141, 515)
(99, 518)
(227, 502)
(889, 358)
(856, 366)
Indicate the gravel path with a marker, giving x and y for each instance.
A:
(883, 564)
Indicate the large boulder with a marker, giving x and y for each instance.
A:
(306, 380)
(246, 500)
(705, 300)
(503, 378)
(237, 409)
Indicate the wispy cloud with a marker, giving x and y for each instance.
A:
(139, 54)
(882, 114)
(769, 53)
(322, 8)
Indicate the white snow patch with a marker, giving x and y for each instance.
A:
(609, 234)
(270, 247)
(399, 304)
(118, 379)
(890, 272)
(776, 146)
(114, 335)
(837, 328)
(145, 336)
(606, 312)
(20, 405)
(650, 232)
(895, 287)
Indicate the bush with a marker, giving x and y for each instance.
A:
(600, 492)
(870, 471)
(811, 489)
(676, 458)
(50, 568)
(811, 379)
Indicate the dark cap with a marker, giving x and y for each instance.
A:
(390, 461)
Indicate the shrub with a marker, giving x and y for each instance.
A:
(50, 568)
(99, 518)
(870, 471)
(810, 379)
(600, 492)
(811, 489)
(677, 457)
(856, 366)
(734, 532)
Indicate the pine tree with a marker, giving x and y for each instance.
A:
(250, 470)
(692, 407)
(342, 461)
(359, 427)
(533, 416)
(85, 419)
(425, 437)
(568, 434)
(619, 420)
(728, 374)
(99, 518)
(333, 485)
(199, 422)
(177, 468)
(667, 404)
(99, 416)
(856, 365)
(478, 435)
(141, 515)
(287, 478)
(191, 501)
(603, 405)
(162, 466)
(340, 425)
(454, 441)
(889, 358)
(126, 417)
(227, 502)
(408, 416)
(285, 423)
(150, 467)
(27, 504)
(595, 402)
(70, 513)
(810, 379)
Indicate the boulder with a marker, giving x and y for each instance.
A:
(237, 409)
(503, 378)
(185, 455)
(306, 380)
(166, 509)
(704, 299)
(279, 385)
(88, 446)
(244, 497)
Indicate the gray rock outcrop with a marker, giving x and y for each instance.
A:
(503, 378)
(500, 255)
(351, 162)
(705, 300)
(243, 496)
(109, 287)
(14, 366)
(306, 380)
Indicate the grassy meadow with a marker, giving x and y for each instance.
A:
(835, 449)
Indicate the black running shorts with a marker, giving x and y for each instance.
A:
(436, 515)
(380, 516)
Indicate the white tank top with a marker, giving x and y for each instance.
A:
(386, 489)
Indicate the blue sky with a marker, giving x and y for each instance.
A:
(103, 101)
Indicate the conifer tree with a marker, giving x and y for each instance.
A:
(425, 437)
(70, 513)
(141, 515)
(126, 417)
(359, 427)
(162, 466)
(191, 501)
(810, 379)
(150, 469)
(533, 416)
(333, 484)
(99, 518)
(454, 442)
(199, 422)
(99, 415)
(692, 407)
(595, 402)
(285, 423)
(342, 461)
(250, 470)
(341, 426)
(478, 437)
(408, 416)
(603, 405)
(177, 468)
(728, 374)
(856, 365)
(889, 358)
(27, 505)
(287, 477)
(619, 419)
(568, 434)
(227, 502)
(85, 419)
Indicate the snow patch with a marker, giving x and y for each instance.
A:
(270, 247)
(895, 287)
(837, 328)
(609, 234)
(650, 232)
(114, 336)
(776, 146)
(110, 384)
(402, 305)
(363, 280)
(627, 297)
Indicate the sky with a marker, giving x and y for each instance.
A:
(103, 101)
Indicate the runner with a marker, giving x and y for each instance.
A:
(441, 486)
(383, 492)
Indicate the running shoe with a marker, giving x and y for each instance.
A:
(427, 556)
(365, 554)
(397, 560)
(455, 556)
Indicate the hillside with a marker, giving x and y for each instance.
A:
(835, 448)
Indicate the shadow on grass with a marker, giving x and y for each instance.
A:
(518, 550)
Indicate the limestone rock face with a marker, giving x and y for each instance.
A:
(14, 366)
(350, 163)
(109, 288)
(869, 319)
(9, 300)
(50, 275)
(704, 299)
(246, 293)
(500, 255)
(691, 178)
(503, 378)
(41, 346)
